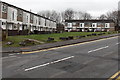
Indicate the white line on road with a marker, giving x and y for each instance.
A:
(9, 57)
(68, 46)
(18, 53)
(49, 63)
(11, 54)
(98, 49)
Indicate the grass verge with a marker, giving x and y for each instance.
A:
(44, 37)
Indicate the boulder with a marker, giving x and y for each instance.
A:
(22, 43)
(89, 35)
(94, 34)
(70, 37)
(50, 39)
(63, 38)
(9, 43)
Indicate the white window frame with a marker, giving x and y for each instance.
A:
(70, 25)
(107, 25)
(4, 8)
(74, 23)
(82, 25)
(95, 25)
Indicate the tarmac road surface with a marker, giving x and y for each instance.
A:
(96, 59)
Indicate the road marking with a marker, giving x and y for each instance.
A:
(11, 54)
(115, 75)
(66, 46)
(49, 63)
(5, 57)
(98, 49)
(18, 53)
(8, 57)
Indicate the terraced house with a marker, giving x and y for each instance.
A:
(89, 25)
(18, 21)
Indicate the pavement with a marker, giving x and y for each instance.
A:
(7, 50)
(96, 59)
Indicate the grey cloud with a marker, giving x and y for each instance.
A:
(95, 7)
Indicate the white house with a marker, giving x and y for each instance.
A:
(12, 18)
(22, 21)
(42, 23)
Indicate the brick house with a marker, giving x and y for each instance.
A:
(89, 25)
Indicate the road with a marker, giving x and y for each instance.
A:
(96, 59)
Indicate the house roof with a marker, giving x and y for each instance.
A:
(25, 10)
(93, 20)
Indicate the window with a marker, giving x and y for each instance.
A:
(27, 19)
(39, 21)
(31, 17)
(66, 24)
(20, 13)
(106, 25)
(80, 25)
(3, 23)
(15, 27)
(4, 8)
(88, 24)
(93, 25)
(45, 22)
(100, 24)
(69, 24)
(74, 24)
(13, 16)
(36, 21)
(50, 24)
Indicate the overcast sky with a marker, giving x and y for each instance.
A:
(95, 7)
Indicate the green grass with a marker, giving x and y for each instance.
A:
(44, 37)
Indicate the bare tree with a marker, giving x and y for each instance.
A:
(113, 15)
(45, 13)
(102, 17)
(53, 15)
(78, 15)
(68, 14)
(86, 16)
